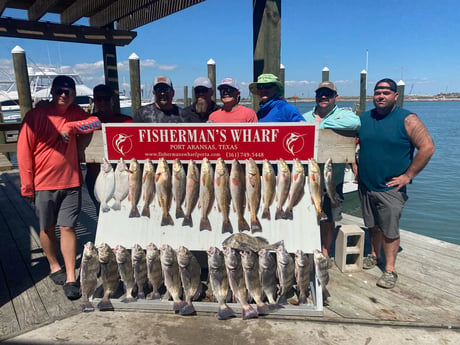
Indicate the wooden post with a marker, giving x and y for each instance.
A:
(186, 101)
(109, 54)
(362, 92)
(212, 78)
(266, 21)
(400, 88)
(325, 74)
(282, 78)
(135, 82)
(22, 80)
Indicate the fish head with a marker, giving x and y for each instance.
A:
(211, 251)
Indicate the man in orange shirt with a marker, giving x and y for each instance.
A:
(51, 176)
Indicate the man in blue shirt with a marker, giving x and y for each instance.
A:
(326, 114)
(272, 107)
(388, 138)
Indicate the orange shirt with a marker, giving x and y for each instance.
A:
(240, 114)
(45, 161)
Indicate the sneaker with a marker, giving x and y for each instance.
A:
(387, 280)
(369, 262)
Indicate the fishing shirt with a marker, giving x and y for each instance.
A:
(192, 116)
(45, 161)
(241, 114)
(150, 113)
(385, 148)
(278, 110)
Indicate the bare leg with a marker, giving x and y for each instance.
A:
(390, 248)
(48, 242)
(69, 250)
(376, 236)
(327, 234)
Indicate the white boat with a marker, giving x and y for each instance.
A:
(41, 79)
(349, 180)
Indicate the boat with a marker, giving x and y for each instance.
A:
(41, 79)
(350, 184)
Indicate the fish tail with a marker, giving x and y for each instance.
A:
(134, 213)
(266, 213)
(105, 305)
(116, 205)
(225, 312)
(205, 224)
(187, 309)
(166, 219)
(146, 211)
(279, 213)
(105, 208)
(187, 221)
(179, 212)
(262, 309)
(288, 214)
(227, 227)
(243, 225)
(87, 307)
(178, 305)
(249, 313)
(256, 226)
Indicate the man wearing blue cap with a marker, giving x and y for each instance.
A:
(203, 106)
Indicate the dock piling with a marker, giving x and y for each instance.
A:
(135, 81)
(22, 80)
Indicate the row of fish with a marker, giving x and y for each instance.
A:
(247, 268)
(239, 187)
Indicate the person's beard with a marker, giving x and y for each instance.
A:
(201, 105)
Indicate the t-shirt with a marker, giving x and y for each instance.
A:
(240, 114)
(45, 161)
(150, 113)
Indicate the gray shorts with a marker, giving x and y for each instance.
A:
(382, 209)
(58, 207)
(334, 214)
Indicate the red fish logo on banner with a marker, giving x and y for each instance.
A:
(196, 141)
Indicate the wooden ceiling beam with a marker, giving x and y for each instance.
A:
(83, 8)
(68, 33)
(117, 10)
(39, 8)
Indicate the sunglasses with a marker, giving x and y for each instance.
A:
(161, 89)
(325, 93)
(201, 89)
(102, 98)
(265, 86)
(59, 91)
(227, 90)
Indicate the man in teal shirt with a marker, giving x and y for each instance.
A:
(326, 114)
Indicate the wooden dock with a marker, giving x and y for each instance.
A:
(427, 293)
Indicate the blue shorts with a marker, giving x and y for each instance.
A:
(58, 207)
(383, 209)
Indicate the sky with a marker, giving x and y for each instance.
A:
(413, 41)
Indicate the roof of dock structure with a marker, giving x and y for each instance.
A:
(109, 22)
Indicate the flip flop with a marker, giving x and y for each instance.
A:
(59, 277)
(72, 290)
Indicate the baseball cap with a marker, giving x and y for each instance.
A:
(63, 81)
(393, 86)
(266, 78)
(202, 81)
(162, 80)
(229, 82)
(328, 85)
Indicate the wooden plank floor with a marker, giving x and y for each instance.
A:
(427, 293)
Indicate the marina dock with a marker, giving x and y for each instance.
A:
(427, 294)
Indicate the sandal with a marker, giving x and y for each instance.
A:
(72, 290)
(59, 277)
(388, 279)
(369, 262)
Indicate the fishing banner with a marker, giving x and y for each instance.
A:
(196, 141)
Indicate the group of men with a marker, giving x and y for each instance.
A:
(388, 136)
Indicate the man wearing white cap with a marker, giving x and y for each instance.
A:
(162, 110)
(231, 110)
(326, 114)
(203, 106)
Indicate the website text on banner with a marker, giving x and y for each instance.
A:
(186, 141)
